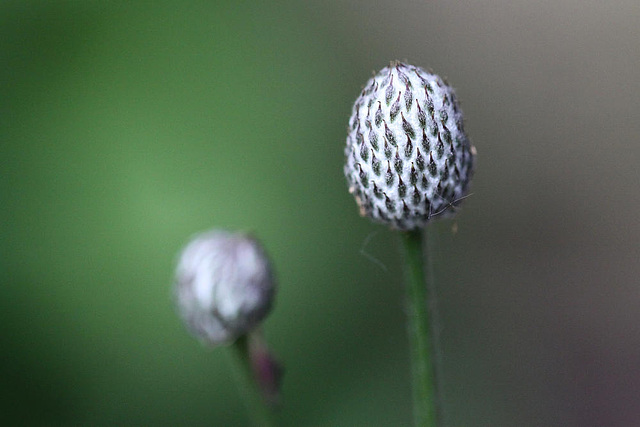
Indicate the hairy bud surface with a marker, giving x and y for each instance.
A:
(408, 159)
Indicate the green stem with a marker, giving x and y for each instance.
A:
(425, 409)
(261, 414)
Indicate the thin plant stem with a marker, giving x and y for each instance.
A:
(425, 408)
(261, 414)
(434, 316)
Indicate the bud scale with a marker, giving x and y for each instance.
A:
(407, 159)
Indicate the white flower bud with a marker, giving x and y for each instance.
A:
(224, 285)
(408, 159)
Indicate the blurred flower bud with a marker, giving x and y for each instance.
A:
(408, 158)
(224, 285)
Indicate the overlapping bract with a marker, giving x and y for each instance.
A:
(408, 159)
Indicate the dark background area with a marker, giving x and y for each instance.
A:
(126, 128)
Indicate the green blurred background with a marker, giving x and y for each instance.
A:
(126, 127)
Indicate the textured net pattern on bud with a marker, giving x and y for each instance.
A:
(224, 285)
(408, 159)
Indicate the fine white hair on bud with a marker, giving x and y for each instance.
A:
(224, 285)
(408, 159)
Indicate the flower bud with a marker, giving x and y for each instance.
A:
(408, 159)
(224, 285)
